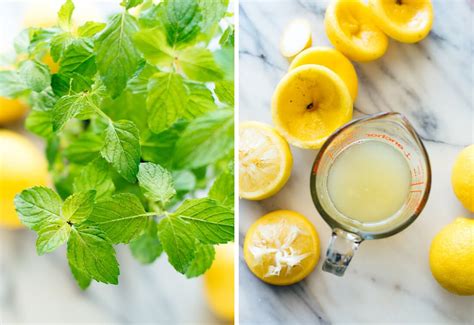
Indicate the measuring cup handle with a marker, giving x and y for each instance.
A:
(340, 251)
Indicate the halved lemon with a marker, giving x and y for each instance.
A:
(295, 38)
(265, 161)
(350, 28)
(282, 247)
(332, 59)
(310, 103)
(407, 21)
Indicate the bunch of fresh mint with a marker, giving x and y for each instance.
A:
(138, 120)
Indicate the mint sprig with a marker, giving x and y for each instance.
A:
(138, 122)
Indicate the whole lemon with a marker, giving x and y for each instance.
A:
(452, 257)
(21, 166)
(462, 177)
(219, 282)
(11, 110)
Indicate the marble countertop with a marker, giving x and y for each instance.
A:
(40, 289)
(389, 280)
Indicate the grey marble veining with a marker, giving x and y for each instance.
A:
(431, 82)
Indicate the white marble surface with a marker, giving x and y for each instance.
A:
(389, 280)
(40, 289)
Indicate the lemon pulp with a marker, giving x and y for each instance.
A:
(281, 247)
(265, 161)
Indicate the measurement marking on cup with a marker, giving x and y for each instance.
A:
(417, 183)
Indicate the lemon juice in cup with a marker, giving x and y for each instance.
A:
(371, 179)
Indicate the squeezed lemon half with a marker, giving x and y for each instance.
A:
(407, 21)
(332, 59)
(265, 161)
(282, 247)
(350, 28)
(310, 103)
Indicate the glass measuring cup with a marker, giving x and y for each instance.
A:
(347, 233)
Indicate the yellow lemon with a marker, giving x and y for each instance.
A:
(21, 166)
(295, 38)
(462, 177)
(452, 257)
(11, 110)
(332, 59)
(219, 282)
(265, 161)
(407, 21)
(310, 103)
(350, 28)
(282, 247)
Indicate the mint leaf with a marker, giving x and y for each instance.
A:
(35, 74)
(85, 148)
(90, 251)
(211, 223)
(122, 148)
(181, 19)
(156, 182)
(152, 43)
(199, 64)
(131, 3)
(95, 176)
(59, 43)
(117, 58)
(51, 236)
(79, 57)
(212, 12)
(147, 248)
(166, 100)
(200, 101)
(78, 206)
(68, 83)
(159, 148)
(178, 242)
(37, 205)
(122, 217)
(70, 106)
(225, 60)
(128, 106)
(184, 181)
(223, 190)
(205, 255)
(40, 123)
(139, 83)
(225, 91)
(90, 29)
(206, 139)
(65, 15)
(82, 279)
(227, 38)
(11, 84)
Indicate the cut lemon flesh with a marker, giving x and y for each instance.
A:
(265, 161)
(350, 28)
(332, 59)
(407, 21)
(310, 103)
(282, 247)
(295, 38)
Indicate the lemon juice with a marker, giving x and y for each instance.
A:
(369, 181)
